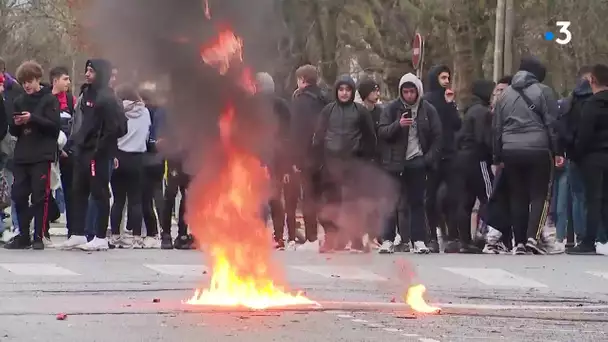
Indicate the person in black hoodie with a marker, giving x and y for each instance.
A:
(442, 98)
(94, 144)
(308, 101)
(473, 161)
(36, 124)
(345, 134)
(591, 147)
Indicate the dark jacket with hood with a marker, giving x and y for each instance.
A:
(306, 107)
(12, 90)
(570, 111)
(475, 136)
(345, 129)
(37, 139)
(395, 138)
(103, 119)
(516, 127)
(448, 112)
(592, 137)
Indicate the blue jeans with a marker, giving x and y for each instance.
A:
(92, 217)
(579, 207)
(559, 203)
(60, 199)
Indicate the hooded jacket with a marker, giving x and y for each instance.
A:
(37, 139)
(306, 107)
(395, 138)
(103, 119)
(570, 111)
(592, 137)
(138, 124)
(476, 133)
(276, 110)
(345, 129)
(516, 127)
(448, 112)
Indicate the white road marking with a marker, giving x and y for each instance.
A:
(392, 330)
(341, 272)
(599, 274)
(179, 270)
(495, 277)
(427, 340)
(356, 320)
(411, 335)
(38, 270)
(374, 325)
(345, 316)
(520, 307)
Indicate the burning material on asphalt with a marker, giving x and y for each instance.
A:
(241, 272)
(415, 299)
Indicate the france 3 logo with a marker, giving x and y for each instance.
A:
(564, 32)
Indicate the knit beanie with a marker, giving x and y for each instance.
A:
(366, 87)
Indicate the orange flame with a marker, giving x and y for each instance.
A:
(415, 299)
(226, 215)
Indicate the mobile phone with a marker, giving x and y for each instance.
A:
(17, 113)
(407, 114)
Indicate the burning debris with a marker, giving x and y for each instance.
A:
(415, 299)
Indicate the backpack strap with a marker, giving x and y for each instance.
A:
(70, 101)
(531, 105)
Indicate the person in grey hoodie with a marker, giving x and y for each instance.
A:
(525, 144)
(412, 138)
(127, 179)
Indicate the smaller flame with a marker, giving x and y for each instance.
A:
(415, 299)
(225, 49)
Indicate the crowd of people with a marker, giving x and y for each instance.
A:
(527, 159)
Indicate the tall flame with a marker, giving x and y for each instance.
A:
(225, 216)
(415, 299)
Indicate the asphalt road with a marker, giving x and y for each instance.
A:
(108, 296)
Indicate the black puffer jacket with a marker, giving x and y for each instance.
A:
(476, 133)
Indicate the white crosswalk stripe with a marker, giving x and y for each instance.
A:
(598, 274)
(38, 269)
(495, 277)
(179, 270)
(341, 272)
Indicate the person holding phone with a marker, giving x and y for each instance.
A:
(410, 129)
(36, 124)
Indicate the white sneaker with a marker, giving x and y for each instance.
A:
(138, 242)
(387, 247)
(151, 242)
(421, 248)
(495, 248)
(601, 248)
(73, 242)
(96, 244)
(493, 236)
(558, 247)
(309, 246)
(48, 243)
(119, 241)
(291, 246)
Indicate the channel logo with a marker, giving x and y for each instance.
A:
(564, 32)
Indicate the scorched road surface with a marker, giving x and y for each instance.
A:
(109, 296)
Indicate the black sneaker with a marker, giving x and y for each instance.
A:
(403, 247)
(38, 245)
(469, 249)
(18, 242)
(452, 247)
(433, 246)
(183, 242)
(582, 249)
(166, 242)
(520, 249)
(535, 247)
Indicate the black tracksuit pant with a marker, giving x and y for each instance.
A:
(412, 225)
(127, 187)
(66, 167)
(152, 197)
(595, 174)
(498, 211)
(32, 179)
(444, 173)
(281, 190)
(308, 184)
(177, 180)
(529, 177)
(91, 178)
(474, 182)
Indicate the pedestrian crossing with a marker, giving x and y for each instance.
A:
(469, 276)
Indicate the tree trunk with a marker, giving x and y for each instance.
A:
(499, 39)
(509, 29)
